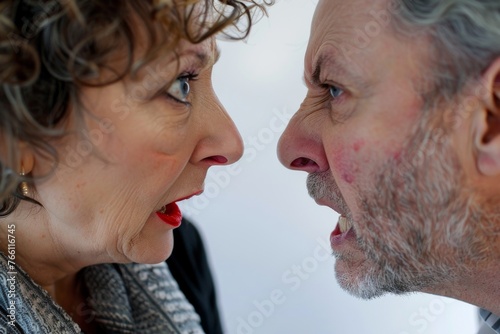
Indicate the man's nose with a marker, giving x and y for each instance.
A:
(300, 146)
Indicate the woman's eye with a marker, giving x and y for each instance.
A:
(336, 92)
(179, 90)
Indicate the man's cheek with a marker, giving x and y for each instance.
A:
(342, 163)
(358, 161)
(364, 160)
(351, 160)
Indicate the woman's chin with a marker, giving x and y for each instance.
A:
(152, 251)
(153, 258)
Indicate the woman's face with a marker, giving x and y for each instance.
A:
(148, 143)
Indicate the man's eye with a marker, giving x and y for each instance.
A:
(179, 90)
(336, 92)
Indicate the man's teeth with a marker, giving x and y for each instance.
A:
(344, 224)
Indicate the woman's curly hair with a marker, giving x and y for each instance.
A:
(49, 48)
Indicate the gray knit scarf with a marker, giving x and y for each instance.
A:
(130, 298)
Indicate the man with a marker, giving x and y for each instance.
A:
(400, 134)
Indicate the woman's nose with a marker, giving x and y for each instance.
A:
(300, 146)
(221, 143)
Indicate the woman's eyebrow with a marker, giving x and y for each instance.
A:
(217, 55)
(205, 59)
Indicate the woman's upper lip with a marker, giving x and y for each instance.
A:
(199, 192)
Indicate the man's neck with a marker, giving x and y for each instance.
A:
(480, 288)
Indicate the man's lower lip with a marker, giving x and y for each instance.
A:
(172, 215)
(337, 238)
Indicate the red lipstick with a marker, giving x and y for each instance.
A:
(171, 214)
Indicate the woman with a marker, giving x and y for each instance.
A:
(108, 118)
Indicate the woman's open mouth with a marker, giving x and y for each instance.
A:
(170, 214)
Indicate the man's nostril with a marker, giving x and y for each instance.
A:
(302, 162)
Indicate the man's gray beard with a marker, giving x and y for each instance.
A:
(418, 225)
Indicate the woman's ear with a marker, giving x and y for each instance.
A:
(486, 123)
(27, 158)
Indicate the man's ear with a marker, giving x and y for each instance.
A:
(486, 123)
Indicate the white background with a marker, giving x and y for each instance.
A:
(267, 240)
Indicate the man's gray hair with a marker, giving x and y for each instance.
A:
(464, 36)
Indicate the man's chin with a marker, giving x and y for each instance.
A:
(358, 282)
(360, 289)
(369, 283)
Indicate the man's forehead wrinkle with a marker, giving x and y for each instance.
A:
(344, 17)
(328, 9)
(332, 31)
(323, 42)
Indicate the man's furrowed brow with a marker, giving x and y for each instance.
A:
(335, 69)
(316, 75)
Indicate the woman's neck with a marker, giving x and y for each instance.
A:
(32, 247)
(30, 244)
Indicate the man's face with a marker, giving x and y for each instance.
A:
(375, 155)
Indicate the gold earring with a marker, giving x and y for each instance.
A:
(24, 185)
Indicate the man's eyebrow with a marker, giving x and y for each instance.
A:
(315, 78)
(336, 69)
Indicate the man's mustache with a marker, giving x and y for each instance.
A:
(323, 186)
